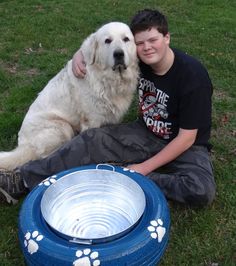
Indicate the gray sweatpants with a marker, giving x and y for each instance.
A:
(188, 179)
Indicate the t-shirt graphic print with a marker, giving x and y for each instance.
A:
(153, 107)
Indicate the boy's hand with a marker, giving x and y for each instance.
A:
(78, 65)
(139, 168)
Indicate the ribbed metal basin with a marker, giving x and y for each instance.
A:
(94, 205)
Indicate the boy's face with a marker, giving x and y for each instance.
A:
(152, 46)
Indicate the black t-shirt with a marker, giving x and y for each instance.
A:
(179, 99)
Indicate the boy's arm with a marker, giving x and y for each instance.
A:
(183, 141)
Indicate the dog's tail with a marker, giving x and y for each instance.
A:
(17, 157)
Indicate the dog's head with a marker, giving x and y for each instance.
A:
(112, 46)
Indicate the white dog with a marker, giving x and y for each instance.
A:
(68, 105)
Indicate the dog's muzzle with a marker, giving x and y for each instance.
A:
(119, 58)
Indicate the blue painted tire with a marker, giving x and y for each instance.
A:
(143, 245)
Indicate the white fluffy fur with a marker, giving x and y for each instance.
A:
(68, 105)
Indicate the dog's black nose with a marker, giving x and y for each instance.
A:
(119, 60)
(119, 54)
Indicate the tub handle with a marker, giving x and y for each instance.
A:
(105, 166)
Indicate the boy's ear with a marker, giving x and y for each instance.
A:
(167, 37)
(89, 48)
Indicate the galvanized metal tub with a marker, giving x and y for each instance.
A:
(93, 206)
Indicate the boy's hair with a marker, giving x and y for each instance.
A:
(146, 19)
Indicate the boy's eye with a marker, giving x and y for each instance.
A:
(153, 40)
(107, 41)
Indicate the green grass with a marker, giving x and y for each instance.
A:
(38, 37)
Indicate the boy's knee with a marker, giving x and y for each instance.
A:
(202, 199)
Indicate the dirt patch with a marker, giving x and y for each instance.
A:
(13, 69)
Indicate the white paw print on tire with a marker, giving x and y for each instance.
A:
(127, 169)
(157, 230)
(48, 181)
(86, 258)
(31, 240)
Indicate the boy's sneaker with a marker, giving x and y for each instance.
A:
(11, 186)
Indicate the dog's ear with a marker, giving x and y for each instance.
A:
(88, 48)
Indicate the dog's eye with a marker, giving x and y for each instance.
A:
(126, 39)
(107, 41)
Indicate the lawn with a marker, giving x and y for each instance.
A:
(38, 37)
